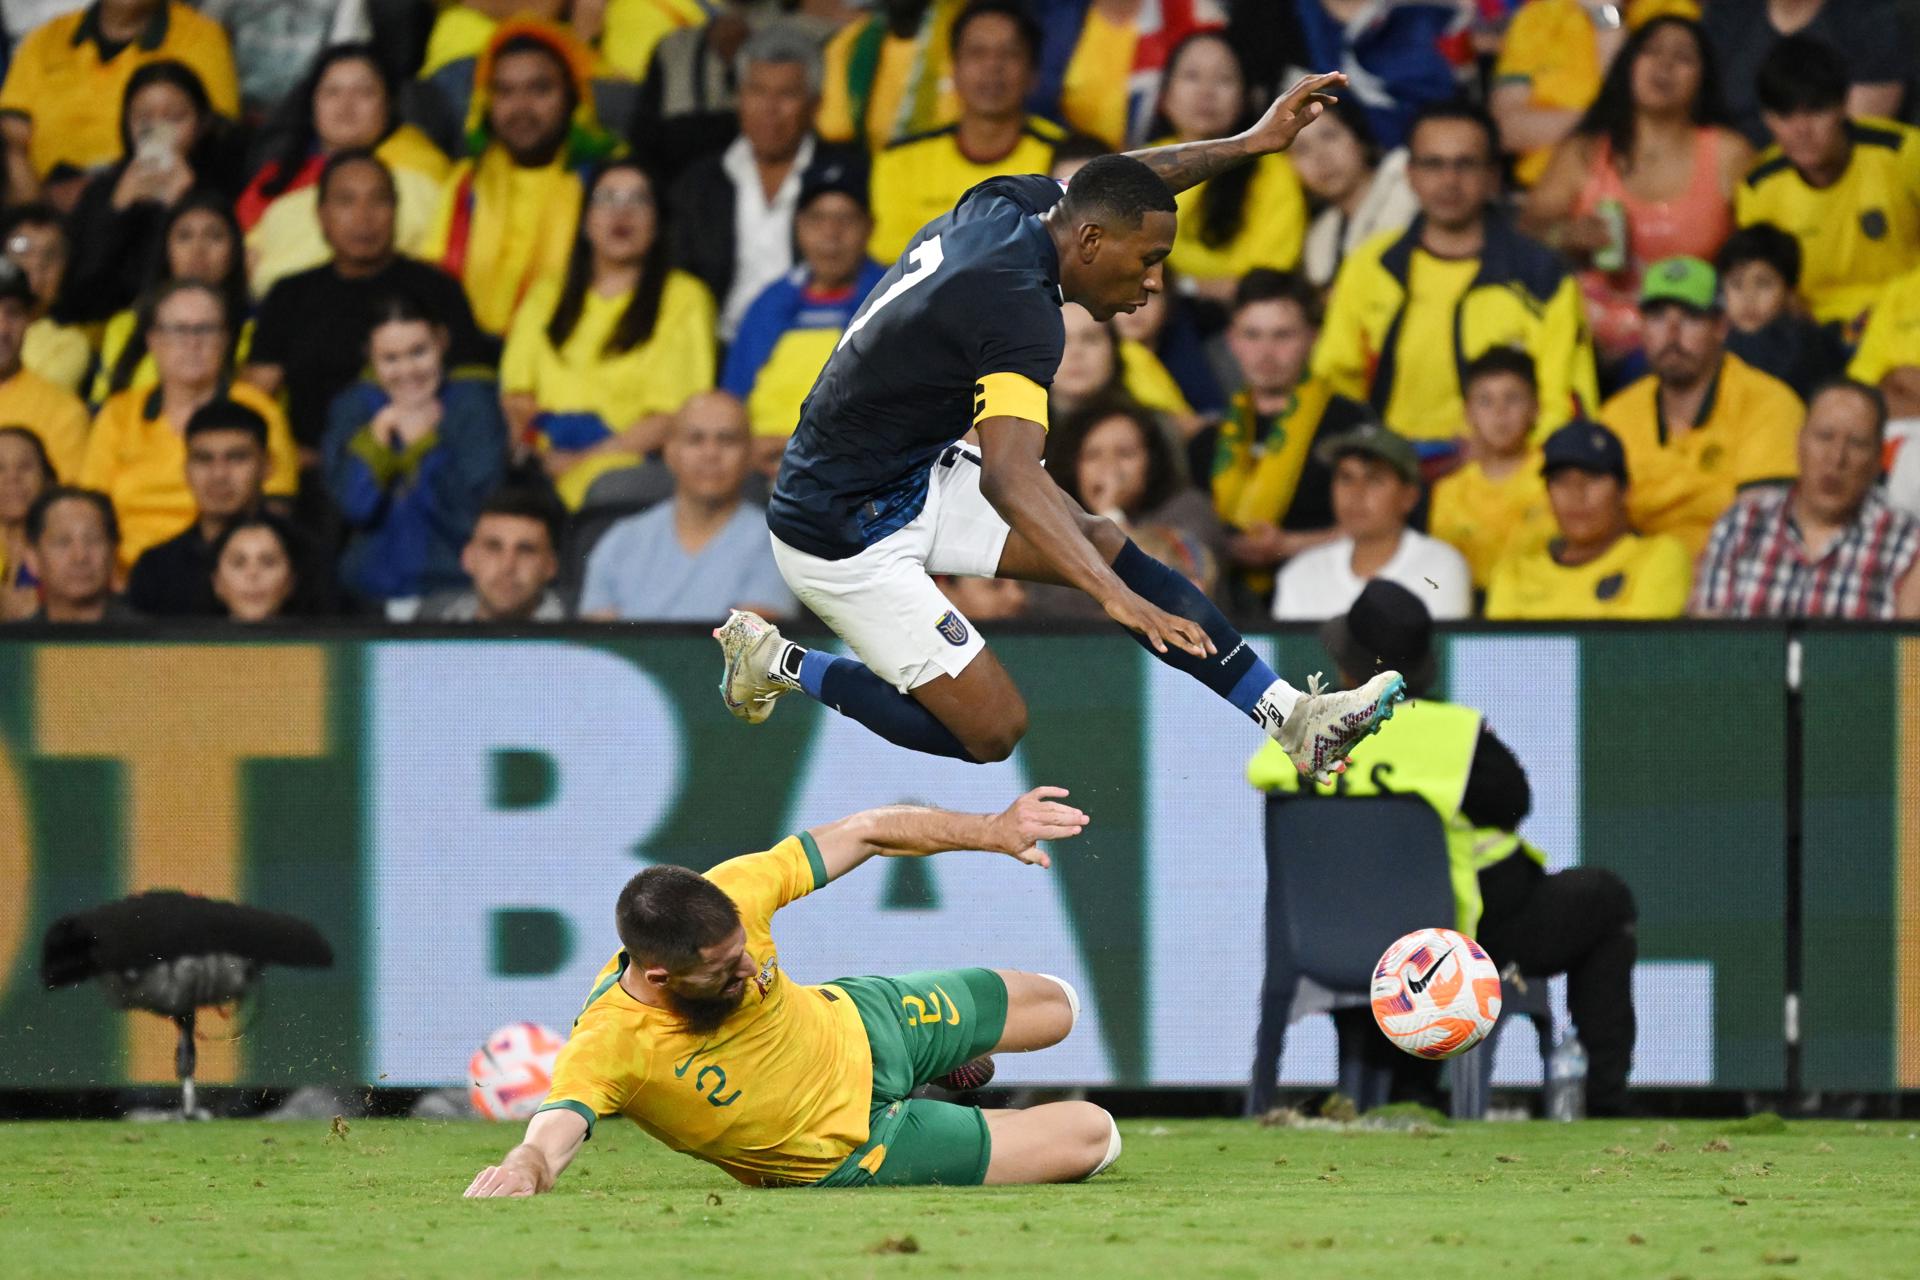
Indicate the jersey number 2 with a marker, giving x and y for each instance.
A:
(926, 259)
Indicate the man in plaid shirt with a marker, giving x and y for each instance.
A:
(1829, 546)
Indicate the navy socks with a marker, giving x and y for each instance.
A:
(1234, 672)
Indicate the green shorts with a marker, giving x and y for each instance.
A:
(920, 1027)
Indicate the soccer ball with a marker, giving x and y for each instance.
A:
(1436, 993)
(509, 1076)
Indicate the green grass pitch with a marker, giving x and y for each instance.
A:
(1622, 1199)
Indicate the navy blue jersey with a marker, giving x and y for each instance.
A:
(976, 293)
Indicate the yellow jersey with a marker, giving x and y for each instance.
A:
(58, 80)
(1273, 226)
(1488, 519)
(778, 1096)
(1748, 433)
(139, 459)
(1855, 235)
(917, 179)
(60, 353)
(53, 413)
(876, 86)
(580, 377)
(1146, 379)
(1892, 339)
(502, 229)
(1636, 578)
(1099, 77)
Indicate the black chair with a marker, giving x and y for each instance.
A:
(1470, 1076)
(1345, 877)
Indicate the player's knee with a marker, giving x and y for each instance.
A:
(1069, 1005)
(995, 743)
(1097, 1137)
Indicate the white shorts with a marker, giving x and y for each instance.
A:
(882, 601)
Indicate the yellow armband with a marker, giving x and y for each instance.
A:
(1009, 395)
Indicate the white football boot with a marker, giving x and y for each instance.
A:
(751, 645)
(1325, 725)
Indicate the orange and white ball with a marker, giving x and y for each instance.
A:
(1436, 993)
(509, 1076)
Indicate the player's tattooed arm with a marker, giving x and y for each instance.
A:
(1188, 164)
(914, 831)
(553, 1139)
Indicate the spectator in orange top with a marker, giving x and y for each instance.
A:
(1649, 173)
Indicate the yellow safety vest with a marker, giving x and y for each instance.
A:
(1426, 750)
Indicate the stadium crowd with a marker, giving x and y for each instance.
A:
(502, 310)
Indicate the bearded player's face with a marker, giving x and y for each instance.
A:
(706, 994)
(1125, 267)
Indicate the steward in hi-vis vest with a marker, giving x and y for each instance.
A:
(1579, 922)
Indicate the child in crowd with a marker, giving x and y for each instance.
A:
(1759, 276)
(1497, 502)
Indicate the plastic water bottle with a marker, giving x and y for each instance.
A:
(1567, 1080)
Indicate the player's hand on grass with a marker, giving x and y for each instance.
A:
(1159, 627)
(1036, 816)
(1293, 111)
(500, 1180)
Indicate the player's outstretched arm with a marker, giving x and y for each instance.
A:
(911, 831)
(1188, 164)
(553, 1139)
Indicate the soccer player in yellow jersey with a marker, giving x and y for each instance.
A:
(695, 1032)
(1848, 190)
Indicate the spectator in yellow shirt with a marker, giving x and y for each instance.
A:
(26, 399)
(137, 452)
(1253, 215)
(346, 103)
(1705, 423)
(50, 104)
(1848, 190)
(35, 236)
(1497, 502)
(996, 54)
(507, 214)
(199, 241)
(1597, 567)
(25, 473)
(1889, 352)
(888, 76)
(599, 359)
(1409, 310)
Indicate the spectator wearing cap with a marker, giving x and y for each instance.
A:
(600, 357)
(1848, 190)
(137, 451)
(310, 337)
(1830, 546)
(1496, 502)
(732, 212)
(72, 543)
(226, 472)
(50, 412)
(787, 334)
(1410, 309)
(995, 48)
(1376, 486)
(1595, 566)
(513, 558)
(702, 552)
(58, 77)
(1705, 423)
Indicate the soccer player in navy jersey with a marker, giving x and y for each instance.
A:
(876, 492)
